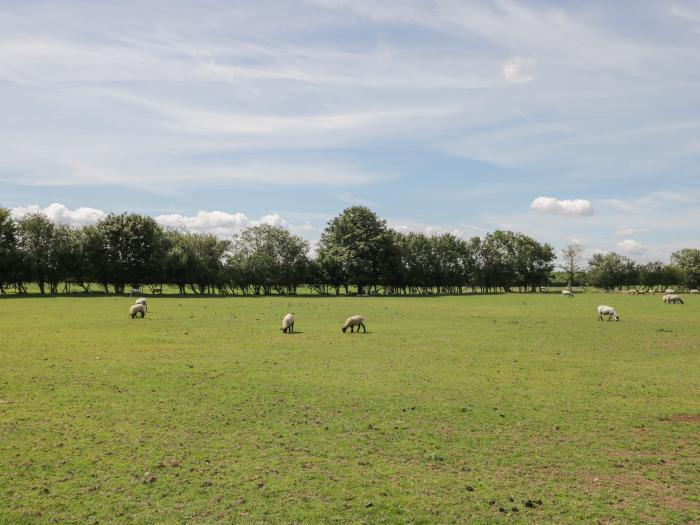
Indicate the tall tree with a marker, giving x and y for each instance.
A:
(36, 240)
(130, 248)
(572, 260)
(688, 260)
(9, 255)
(609, 270)
(356, 244)
(271, 258)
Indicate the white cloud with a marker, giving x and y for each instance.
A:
(219, 223)
(61, 214)
(518, 70)
(631, 247)
(569, 208)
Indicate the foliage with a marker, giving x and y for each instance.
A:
(355, 246)
(270, 258)
(357, 251)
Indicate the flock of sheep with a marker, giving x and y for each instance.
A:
(140, 308)
(670, 297)
(351, 322)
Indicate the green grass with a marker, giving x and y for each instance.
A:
(447, 410)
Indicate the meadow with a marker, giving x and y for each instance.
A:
(517, 408)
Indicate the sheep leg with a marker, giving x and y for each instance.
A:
(291, 328)
(363, 328)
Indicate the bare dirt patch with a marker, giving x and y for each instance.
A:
(682, 418)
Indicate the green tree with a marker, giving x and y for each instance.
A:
(127, 248)
(196, 260)
(271, 259)
(355, 246)
(36, 241)
(688, 260)
(9, 254)
(609, 270)
(534, 261)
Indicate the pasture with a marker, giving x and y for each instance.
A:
(478, 409)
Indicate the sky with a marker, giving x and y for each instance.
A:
(567, 121)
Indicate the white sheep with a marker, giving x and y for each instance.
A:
(288, 324)
(142, 301)
(137, 309)
(352, 322)
(694, 291)
(609, 311)
(567, 293)
(669, 290)
(672, 298)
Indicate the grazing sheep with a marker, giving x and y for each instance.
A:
(142, 301)
(567, 293)
(672, 298)
(137, 309)
(609, 311)
(352, 322)
(288, 324)
(694, 291)
(669, 290)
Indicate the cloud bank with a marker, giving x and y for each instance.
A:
(220, 223)
(61, 214)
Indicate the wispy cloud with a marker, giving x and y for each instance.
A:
(396, 104)
(518, 70)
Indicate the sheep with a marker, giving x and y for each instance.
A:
(288, 324)
(672, 298)
(142, 301)
(567, 293)
(669, 290)
(694, 291)
(609, 311)
(137, 309)
(352, 322)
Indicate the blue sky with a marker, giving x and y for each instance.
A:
(563, 120)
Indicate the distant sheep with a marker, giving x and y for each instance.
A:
(137, 309)
(352, 322)
(669, 290)
(288, 324)
(694, 291)
(609, 311)
(673, 298)
(567, 293)
(142, 301)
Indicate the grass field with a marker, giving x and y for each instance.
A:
(483, 409)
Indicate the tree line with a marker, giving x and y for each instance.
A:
(357, 253)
